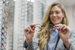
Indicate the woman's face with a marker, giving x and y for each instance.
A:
(56, 15)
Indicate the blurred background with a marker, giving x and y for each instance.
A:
(15, 15)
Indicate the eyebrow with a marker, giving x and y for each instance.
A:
(55, 10)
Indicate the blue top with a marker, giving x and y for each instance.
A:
(53, 40)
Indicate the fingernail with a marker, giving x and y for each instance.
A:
(32, 31)
(58, 29)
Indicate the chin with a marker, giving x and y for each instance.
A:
(55, 23)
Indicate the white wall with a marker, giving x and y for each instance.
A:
(70, 11)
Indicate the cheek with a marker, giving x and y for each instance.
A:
(61, 19)
(61, 16)
(50, 17)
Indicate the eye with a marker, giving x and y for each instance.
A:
(57, 12)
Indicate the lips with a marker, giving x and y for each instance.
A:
(54, 19)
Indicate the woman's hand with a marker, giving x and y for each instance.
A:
(29, 32)
(64, 33)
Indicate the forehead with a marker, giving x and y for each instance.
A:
(55, 8)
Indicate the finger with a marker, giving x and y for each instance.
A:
(64, 28)
(59, 27)
(26, 33)
(27, 29)
(31, 30)
(33, 26)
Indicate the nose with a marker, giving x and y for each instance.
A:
(54, 14)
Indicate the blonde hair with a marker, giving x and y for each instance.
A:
(47, 26)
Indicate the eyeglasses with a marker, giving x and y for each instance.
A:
(37, 28)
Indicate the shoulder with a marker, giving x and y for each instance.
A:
(72, 33)
(72, 39)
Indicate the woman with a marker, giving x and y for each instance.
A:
(54, 33)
